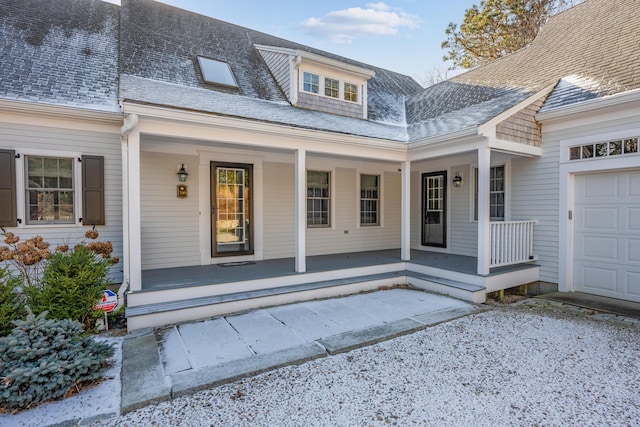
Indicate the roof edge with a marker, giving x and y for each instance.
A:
(301, 55)
(589, 105)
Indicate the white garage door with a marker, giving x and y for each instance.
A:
(607, 234)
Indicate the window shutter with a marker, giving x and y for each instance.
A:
(93, 190)
(8, 211)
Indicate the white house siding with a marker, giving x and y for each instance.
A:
(345, 234)
(463, 232)
(170, 226)
(24, 138)
(279, 210)
(535, 195)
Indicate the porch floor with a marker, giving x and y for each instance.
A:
(200, 275)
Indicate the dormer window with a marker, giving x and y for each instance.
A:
(311, 83)
(316, 82)
(331, 88)
(217, 72)
(350, 92)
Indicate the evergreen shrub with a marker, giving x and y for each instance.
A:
(71, 285)
(11, 301)
(44, 359)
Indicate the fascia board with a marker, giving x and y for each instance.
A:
(618, 101)
(160, 121)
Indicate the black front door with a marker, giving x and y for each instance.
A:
(434, 209)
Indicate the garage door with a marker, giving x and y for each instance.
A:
(607, 234)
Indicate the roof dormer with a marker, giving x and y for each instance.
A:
(319, 83)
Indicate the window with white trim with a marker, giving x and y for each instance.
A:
(369, 199)
(617, 147)
(350, 92)
(50, 189)
(497, 193)
(331, 88)
(318, 199)
(311, 83)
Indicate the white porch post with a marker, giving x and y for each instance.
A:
(133, 213)
(301, 210)
(484, 230)
(405, 240)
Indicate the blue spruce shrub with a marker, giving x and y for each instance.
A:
(44, 359)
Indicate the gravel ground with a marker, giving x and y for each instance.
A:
(510, 366)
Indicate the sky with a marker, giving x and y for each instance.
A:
(399, 35)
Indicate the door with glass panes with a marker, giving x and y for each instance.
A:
(434, 209)
(231, 210)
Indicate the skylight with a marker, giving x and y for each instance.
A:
(216, 72)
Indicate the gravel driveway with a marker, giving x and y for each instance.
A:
(516, 365)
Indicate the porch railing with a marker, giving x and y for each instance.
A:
(511, 242)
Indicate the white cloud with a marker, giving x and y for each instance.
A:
(376, 19)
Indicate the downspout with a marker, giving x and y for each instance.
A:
(130, 123)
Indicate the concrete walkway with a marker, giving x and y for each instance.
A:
(181, 359)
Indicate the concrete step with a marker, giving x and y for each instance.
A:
(166, 312)
(453, 288)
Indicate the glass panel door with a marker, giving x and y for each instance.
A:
(231, 209)
(434, 214)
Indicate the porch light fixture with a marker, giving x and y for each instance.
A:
(457, 180)
(182, 174)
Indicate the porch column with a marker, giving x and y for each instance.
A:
(484, 230)
(405, 214)
(301, 210)
(133, 212)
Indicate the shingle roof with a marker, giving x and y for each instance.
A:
(60, 52)
(161, 43)
(66, 52)
(594, 47)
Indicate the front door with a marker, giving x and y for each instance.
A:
(434, 212)
(231, 209)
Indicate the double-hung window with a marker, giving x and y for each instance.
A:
(496, 194)
(318, 199)
(369, 199)
(50, 189)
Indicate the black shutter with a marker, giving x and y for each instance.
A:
(8, 211)
(93, 190)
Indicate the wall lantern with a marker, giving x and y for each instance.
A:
(182, 174)
(457, 180)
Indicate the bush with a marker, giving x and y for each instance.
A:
(44, 359)
(11, 301)
(71, 285)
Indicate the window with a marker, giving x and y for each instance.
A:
(49, 190)
(318, 199)
(369, 199)
(53, 184)
(496, 194)
(216, 72)
(604, 149)
(350, 92)
(331, 88)
(311, 83)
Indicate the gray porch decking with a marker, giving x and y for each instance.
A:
(201, 275)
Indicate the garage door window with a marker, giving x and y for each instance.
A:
(617, 147)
